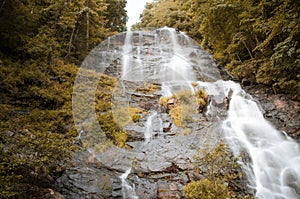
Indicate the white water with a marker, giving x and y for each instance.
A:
(149, 131)
(127, 58)
(275, 168)
(128, 192)
(170, 64)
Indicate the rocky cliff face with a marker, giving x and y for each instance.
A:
(158, 159)
(279, 109)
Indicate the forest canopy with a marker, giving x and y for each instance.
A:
(42, 44)
(44, 41)
(256, 40)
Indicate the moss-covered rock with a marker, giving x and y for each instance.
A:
(219, 168)
(183, 104)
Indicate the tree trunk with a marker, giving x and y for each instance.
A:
(87, 30)
(249, 52)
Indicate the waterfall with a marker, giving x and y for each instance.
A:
(128, 191)
(274, 170)
(274, 167)
(149, 130)
(127, 58)
(174, 62)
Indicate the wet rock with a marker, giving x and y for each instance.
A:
(162, 165)
(135, 132)
(165, 117)
(156, 125)
(134, 144)
(246, 82)
(181, 178)
(166, 191)
(167, 126)
(194, 176)
(156, 164)
(268, 106)
(86, 182)
(280, 110)
(146, 189)
(116, 159)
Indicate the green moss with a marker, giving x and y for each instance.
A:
(111, 119)
(201, 94)
(119, 138)
(201, 98)
(184, 97)
(111, 129)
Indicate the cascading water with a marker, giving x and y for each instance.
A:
(128, 191)
(174, 62)
(149, 131)
(274, 170)
(172, 67)
(127, 58)
(274, 167)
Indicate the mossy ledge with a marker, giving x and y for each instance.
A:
(182, 104)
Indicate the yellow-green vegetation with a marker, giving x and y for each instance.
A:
(219, 167)
(184, 105)
(206, 189)
(41, 43)
(176, 114)
(163, 101)
(136, 113)
(93, 94)
(113, 119)
(201, 98)
(260, 41)
(148, 88)
(36, 128)
(125, 115)
(194, 84)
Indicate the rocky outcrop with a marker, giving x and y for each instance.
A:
(160, 167)
(279, 109)
(164, 165)
(159, 155)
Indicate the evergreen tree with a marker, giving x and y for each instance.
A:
(116, 15)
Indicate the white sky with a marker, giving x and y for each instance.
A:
(134, 9)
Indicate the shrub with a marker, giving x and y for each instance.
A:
(176, 115)
(186, 103)
(148, 88)
(206, 189)
(219, 167)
